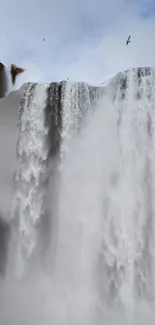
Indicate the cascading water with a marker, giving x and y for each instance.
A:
(30, 175)
(75, 105)
(101, 270)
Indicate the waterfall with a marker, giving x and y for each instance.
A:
(91, 151)
(30, 175)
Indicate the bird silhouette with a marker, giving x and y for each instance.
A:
(128, 40)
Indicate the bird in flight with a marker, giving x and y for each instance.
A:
(128, 40)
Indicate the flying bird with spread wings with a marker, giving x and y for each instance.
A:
(128, 40)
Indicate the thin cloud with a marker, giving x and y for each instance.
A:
(84, 40)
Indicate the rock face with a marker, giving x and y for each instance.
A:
(3, 81)
(8, 77)
(4, 237)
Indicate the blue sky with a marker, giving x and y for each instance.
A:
(84, 39)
